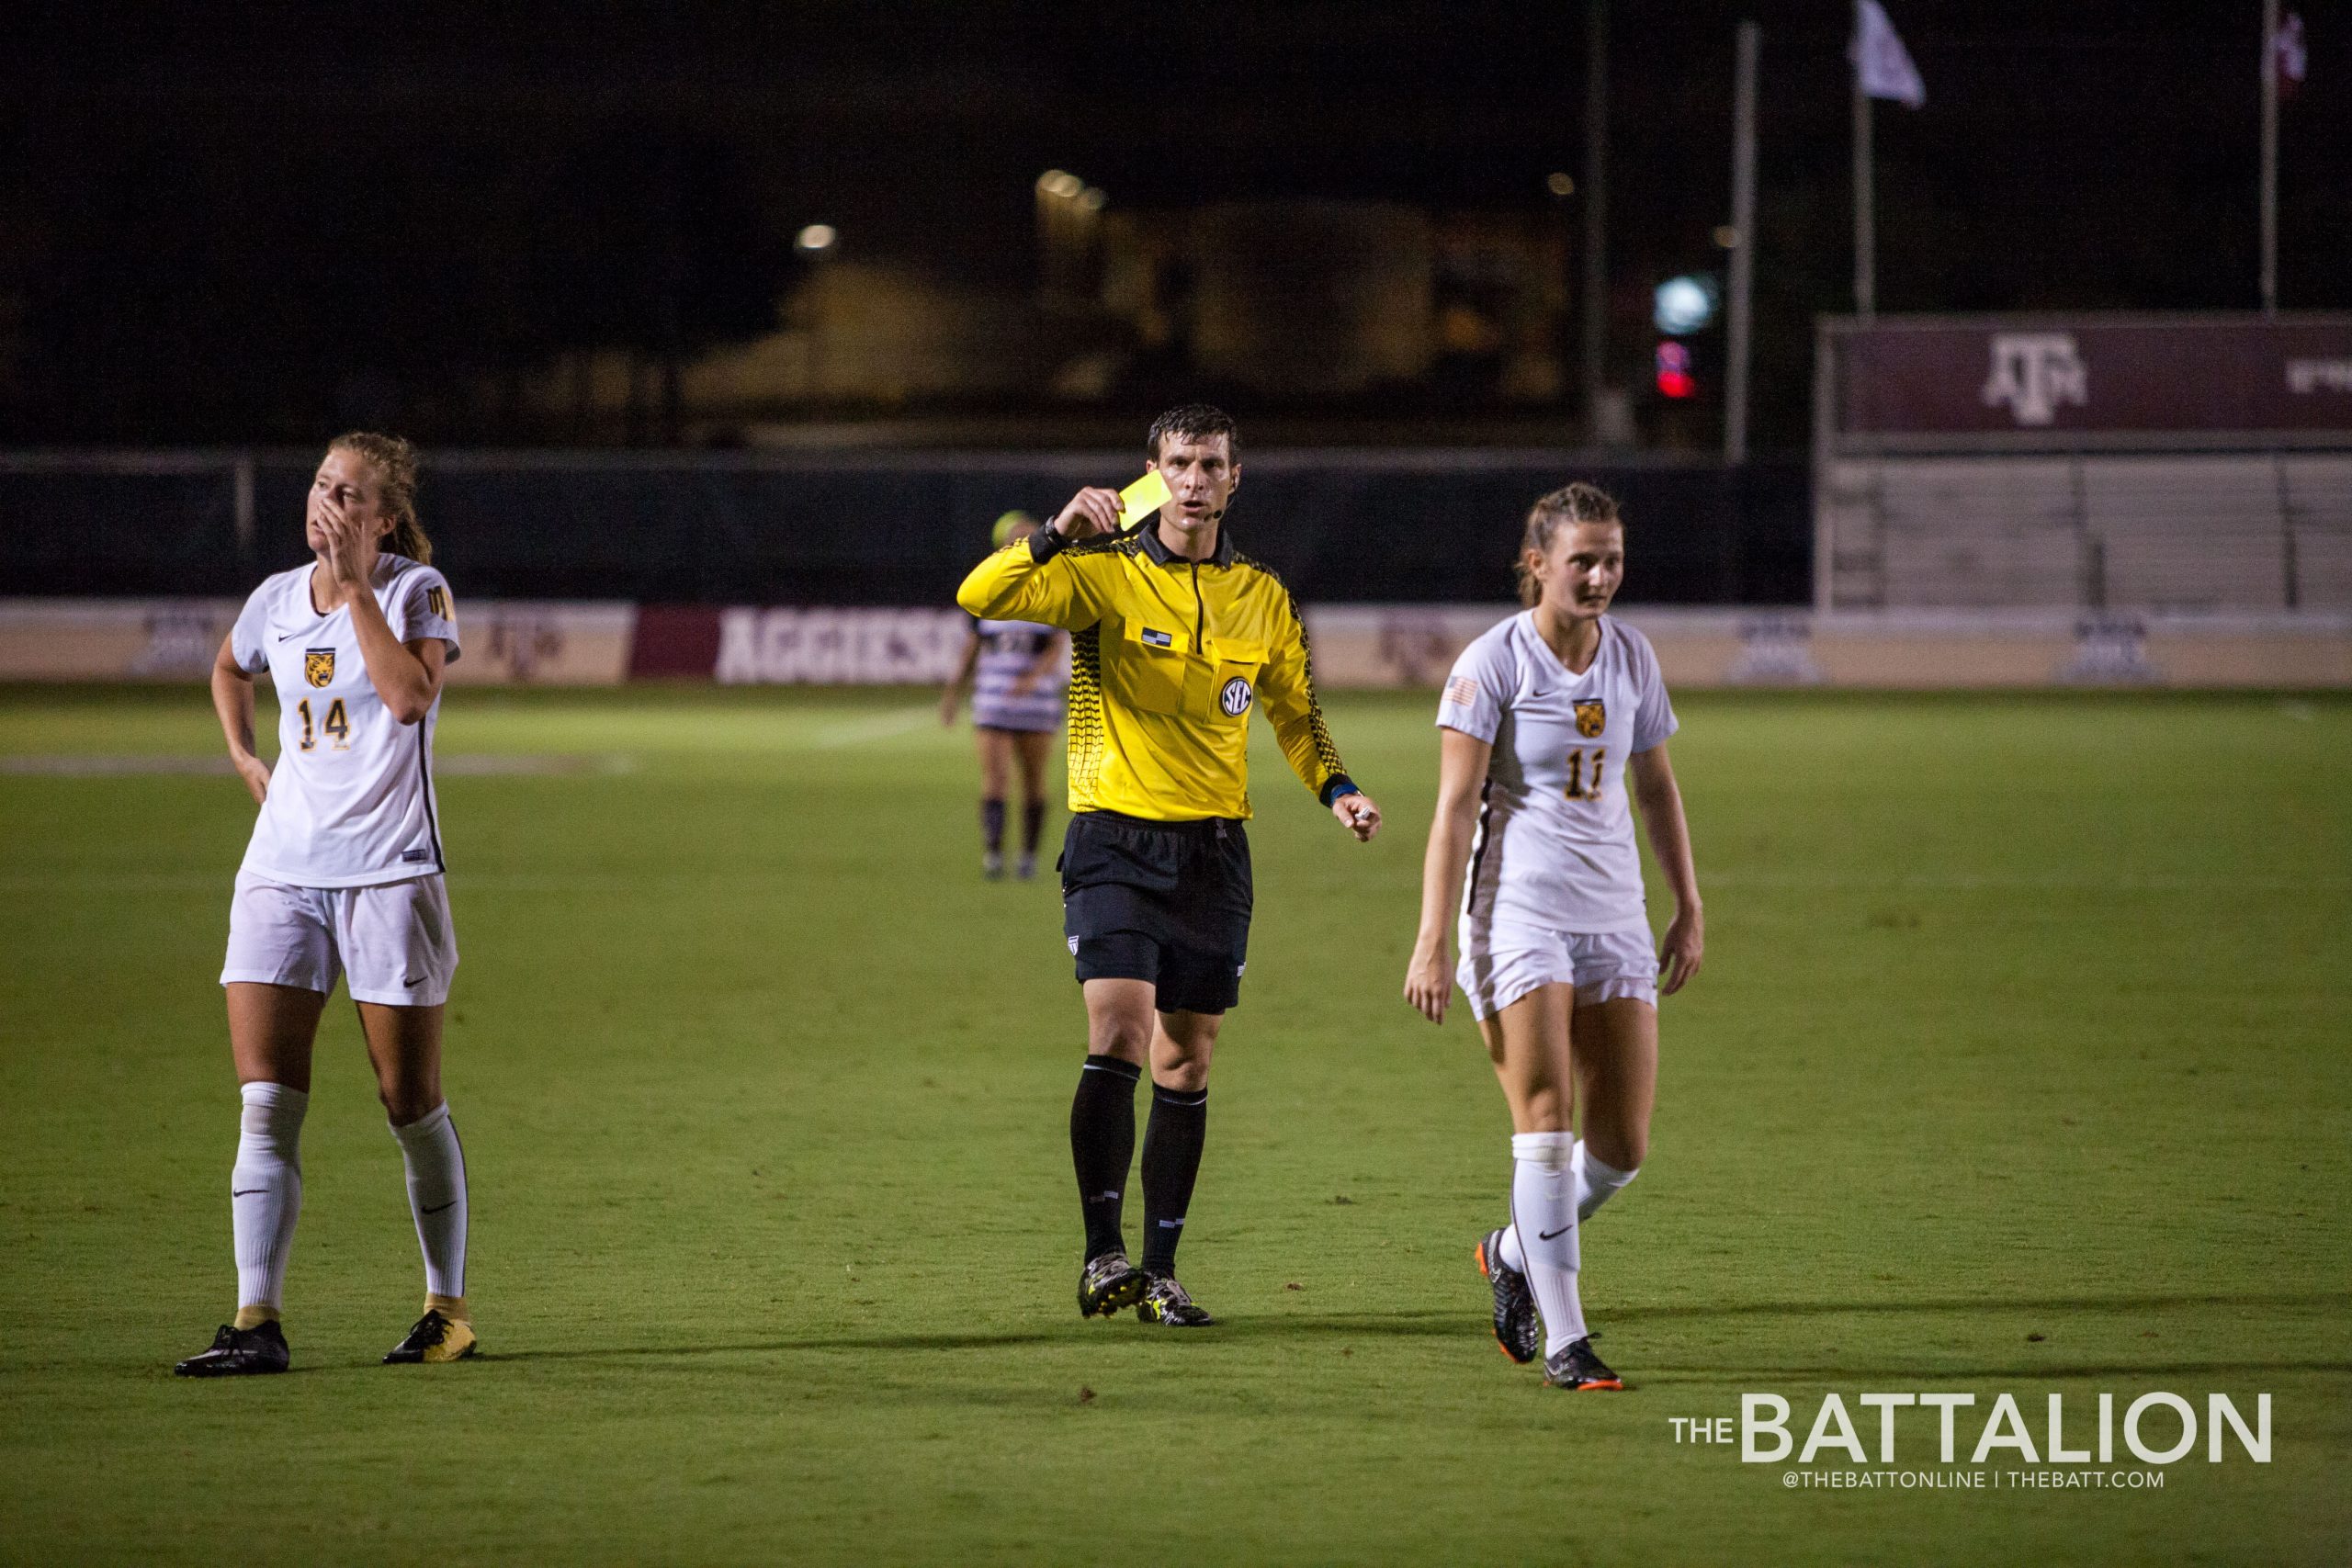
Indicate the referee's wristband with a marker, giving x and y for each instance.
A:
(1337, 786)
(1045, 542)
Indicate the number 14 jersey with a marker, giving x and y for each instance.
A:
(351, 801)
(1556, 834)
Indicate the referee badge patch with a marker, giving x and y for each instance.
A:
(1591, 719)
(1235, 697)
(1158, 638)
(318, 666)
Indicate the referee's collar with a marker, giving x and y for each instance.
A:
(1157, 548)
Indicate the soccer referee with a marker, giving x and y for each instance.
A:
(1175, 638)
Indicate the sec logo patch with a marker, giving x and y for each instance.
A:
(1237, 696)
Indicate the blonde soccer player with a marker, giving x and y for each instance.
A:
(1551, 726)
(1018, 671)
(343, 877)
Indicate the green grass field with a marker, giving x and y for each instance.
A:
(2019, 1065)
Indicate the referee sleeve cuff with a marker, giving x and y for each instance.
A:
(1337, 786)
(1045, 542)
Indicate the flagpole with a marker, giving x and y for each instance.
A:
(1865, 247)
(2269, 157)
(1596, 214)
(1743, 233)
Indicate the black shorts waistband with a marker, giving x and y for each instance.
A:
(1190, 827)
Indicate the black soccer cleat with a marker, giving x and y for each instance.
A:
(433, 1338)
(1576, 1367)
(240, 1352)
(1518, 1333)
(1108, 1285)
(1166, 1301)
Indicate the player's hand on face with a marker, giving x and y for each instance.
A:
(1358, 815)
(1429, 982)
(351, 548)
(255, 772)
(1091, 511)
(1679, 954)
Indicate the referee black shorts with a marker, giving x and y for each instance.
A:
(1167, 902)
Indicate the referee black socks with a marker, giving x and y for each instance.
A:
(1103, 1144)
(1171, 1160)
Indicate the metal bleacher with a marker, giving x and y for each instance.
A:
(2202, 532)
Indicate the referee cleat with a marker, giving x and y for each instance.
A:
(240, 1352)
(1576, 1367)
(1108, 1285)
(435, 1339)
(1517, 1333)
(1025, 868)
(1165, 1300)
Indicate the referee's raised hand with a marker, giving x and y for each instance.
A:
(1091, 511)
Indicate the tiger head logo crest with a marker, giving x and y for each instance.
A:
(1591, 719)
(318, 666)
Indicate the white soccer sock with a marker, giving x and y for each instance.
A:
(1544, 1212)
(1596, 1182)
(266, 1194)
(437, 1196)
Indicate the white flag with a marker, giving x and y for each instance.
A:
(1881, 62)
(2288, 60)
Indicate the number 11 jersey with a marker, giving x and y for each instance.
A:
(351, 801)
(1555, 833)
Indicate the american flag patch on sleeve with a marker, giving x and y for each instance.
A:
(1463, 691)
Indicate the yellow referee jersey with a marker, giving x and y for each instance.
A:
(1167, 657)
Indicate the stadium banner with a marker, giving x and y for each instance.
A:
(1412, 646)
(2086, 382)
(1359, 647)
(507, 641)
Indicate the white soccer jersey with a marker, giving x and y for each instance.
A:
(1555, 833)
(350, 800)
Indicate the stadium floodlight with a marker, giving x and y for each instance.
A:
(814, 238)
(1684, 304)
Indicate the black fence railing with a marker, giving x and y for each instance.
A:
(896, 528)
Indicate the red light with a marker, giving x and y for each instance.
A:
(1674, 379)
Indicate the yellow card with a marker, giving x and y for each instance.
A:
(1143, 498)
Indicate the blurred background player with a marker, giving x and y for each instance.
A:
(1542, 722)
(1175, 636)
(342, 876)
(1018, 670)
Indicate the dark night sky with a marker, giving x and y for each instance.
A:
(191, 208)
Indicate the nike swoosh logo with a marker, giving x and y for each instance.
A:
(411, 981)
(245, 1191)
(1546, 1236)
(450, 1204)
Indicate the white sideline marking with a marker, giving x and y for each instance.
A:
(881, 726)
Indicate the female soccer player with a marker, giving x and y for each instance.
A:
(1543, 721)
(343, 875)
(1016, 708)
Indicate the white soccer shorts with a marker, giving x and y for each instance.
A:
(394, 941)
(1502, 961)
